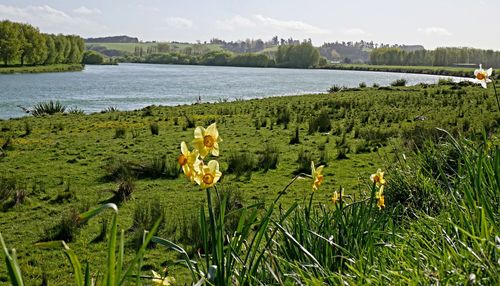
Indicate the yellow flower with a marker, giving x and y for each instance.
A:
(317, 176)
(188, 160)
(378, 178)
(336, 197)
(482, 76)
(207, 140)
(208, 175)
(164, 281)
(380, 198)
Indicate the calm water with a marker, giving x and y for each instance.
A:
(133, 86)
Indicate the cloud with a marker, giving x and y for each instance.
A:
(354, 32)
(179, 22)
(236, 21)
(50, 20)
(289, 26)
(434, 31)
(148, 9)
(87, 11)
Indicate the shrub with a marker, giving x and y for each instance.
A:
(268, 158)
(155, 128)
(399, 82)
(47, 108)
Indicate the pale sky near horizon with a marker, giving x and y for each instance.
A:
(432, 23)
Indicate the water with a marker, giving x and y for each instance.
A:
(133, 86)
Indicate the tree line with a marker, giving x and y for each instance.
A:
(437, 57)
(23, 44)
(302, 55)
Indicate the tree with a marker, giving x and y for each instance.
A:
(33, 49)
(92, 58)
(51, 49)
(10, 43)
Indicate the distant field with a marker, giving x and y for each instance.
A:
(451, 71)
(40, 69)
(130, 47)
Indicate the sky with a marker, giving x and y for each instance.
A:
(431, 23)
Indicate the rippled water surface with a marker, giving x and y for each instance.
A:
(133, 86)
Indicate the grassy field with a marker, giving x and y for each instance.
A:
(69, 163)
(40, 69)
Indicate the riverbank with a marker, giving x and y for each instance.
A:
(42, 69)
(446, 71)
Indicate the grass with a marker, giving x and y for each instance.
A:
(41, 69)
(382, 120)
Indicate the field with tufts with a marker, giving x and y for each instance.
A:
(54, 167)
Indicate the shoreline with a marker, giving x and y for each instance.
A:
(42, 69)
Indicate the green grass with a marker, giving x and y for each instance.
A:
(40, 69)
(64, 156)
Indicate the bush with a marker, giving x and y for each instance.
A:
(47, 108)
(92, 58)
(399, 82)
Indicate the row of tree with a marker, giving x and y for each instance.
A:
(437, 57)
(25, 45)
(302, 55)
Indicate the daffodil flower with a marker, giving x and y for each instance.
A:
(164, 281)
(208, 174)
(188, 160)
(317, 174)
(482, 76)
(335, 197)
(380, 198)
(378, 178)
(206, 141)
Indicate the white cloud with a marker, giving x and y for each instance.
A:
(236, 21)
(354, 32)
(87, 11)
(434, 31)
(179, 22)
(289, 26)
(148, 9)
(50, 20)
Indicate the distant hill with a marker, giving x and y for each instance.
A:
(113, 39)
(411, 48)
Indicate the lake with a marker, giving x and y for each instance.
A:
(134, 86)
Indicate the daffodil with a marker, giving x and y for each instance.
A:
(378, 178)
(336, 197)
(482, 76)
(206, 141)
(164, 281)
(188, 160)
(208, 175)
(380, 198)
(317, 175)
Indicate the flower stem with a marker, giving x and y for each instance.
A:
(496, 95)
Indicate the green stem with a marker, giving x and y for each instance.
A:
(496, 95)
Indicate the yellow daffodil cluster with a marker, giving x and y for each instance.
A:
(336, 197)
(482, 76)
(205, 142)
(380, 182)
(317, 175)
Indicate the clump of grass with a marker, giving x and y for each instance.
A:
(320, 123)
(268, 158)
(155, 128)
(66, 229)
(120, 132)
(47, 108)
(75, 111)
(399, 82)
(125, 190)
(119, 169)
(27, 128)
(304, 158)
(110, 109)
(362, 84)
(241, 163)
(283, 116)
(144, 218)
(334, 88)
(295, 138)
